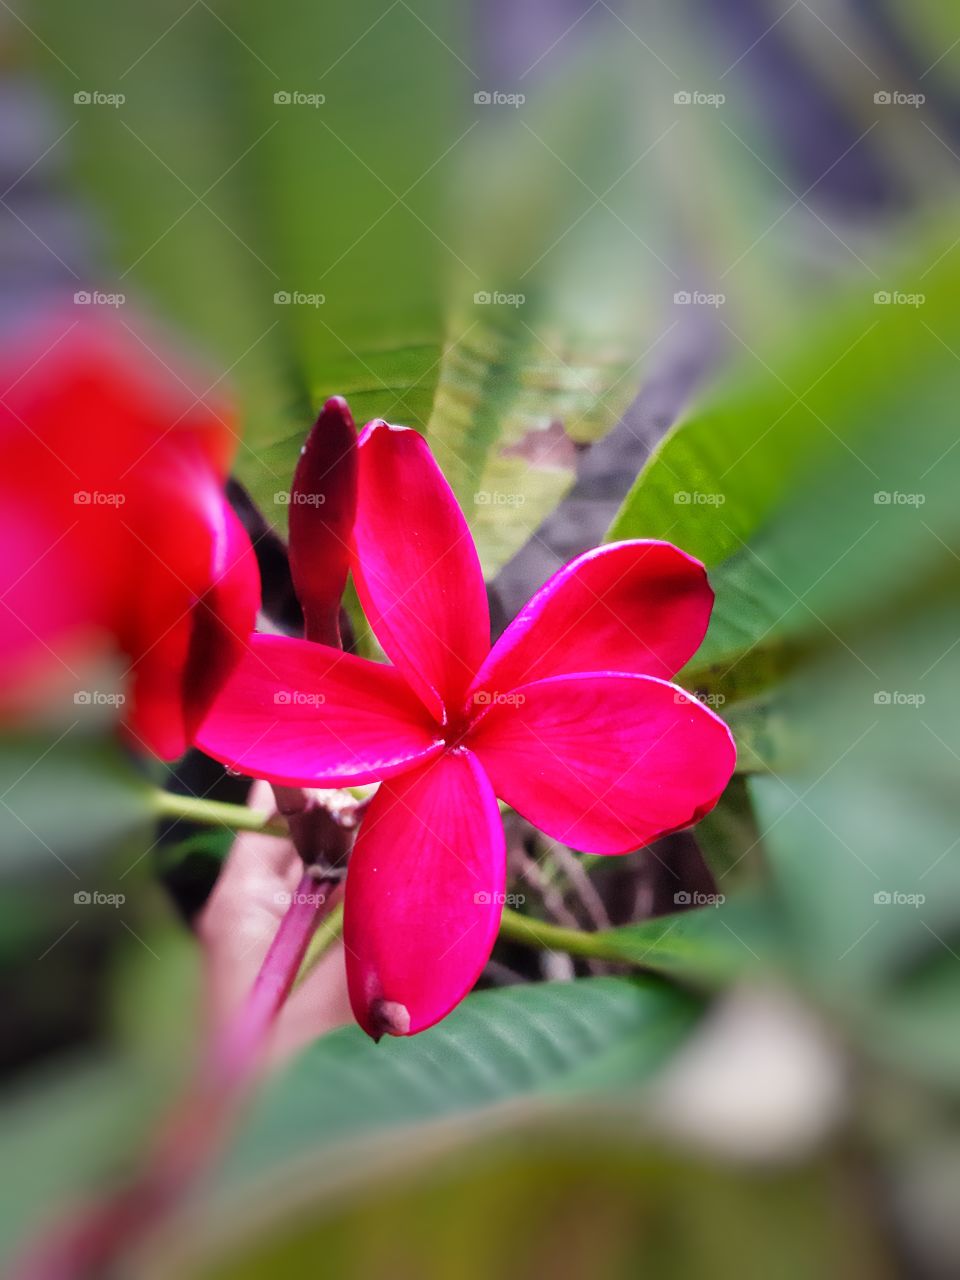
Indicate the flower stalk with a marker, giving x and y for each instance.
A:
(235, 1057)
(87, 1246)
(555, 937)
(217, 813)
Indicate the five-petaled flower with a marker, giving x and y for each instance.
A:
(570, 719)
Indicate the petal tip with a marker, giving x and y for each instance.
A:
(379, 427)
(388, 1017)
(338, 405)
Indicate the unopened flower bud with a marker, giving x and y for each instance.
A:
(323, 503)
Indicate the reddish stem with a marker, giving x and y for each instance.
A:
(86, 1246)
(237, 1054)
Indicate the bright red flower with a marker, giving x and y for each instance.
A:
(116, 535)
(569, 718)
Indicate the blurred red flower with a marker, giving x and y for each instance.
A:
(116, 538)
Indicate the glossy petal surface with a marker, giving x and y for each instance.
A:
(304, 714)
(605, 763)
(640, 607)
(416, 567)
(424, 894)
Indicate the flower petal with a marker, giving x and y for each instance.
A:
(416, 567)
(303, 714)
(639, 607)
(424, 894)
(323, 503)
(188, 626)
(223, 617)
(605, 763)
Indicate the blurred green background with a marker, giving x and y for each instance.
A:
(679, 269)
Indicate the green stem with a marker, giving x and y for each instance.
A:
(167, 804)
(554, 937)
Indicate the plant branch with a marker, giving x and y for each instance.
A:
(168, 804)
(554, 937)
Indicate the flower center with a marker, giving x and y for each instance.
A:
(456, 729)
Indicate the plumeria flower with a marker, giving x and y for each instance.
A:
(117, 540)
(570, 718)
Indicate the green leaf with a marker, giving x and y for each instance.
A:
(366, 215)
(729, 839)
(590, 1193)
(176, 193)
(861, 838)
(832, 559)
(780, 414)
(66, 797)
(62, 1130)
(75, 1123)
(816, 505)
(397, 200)
(498, 1045)
(709, 945)
(712, 945)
